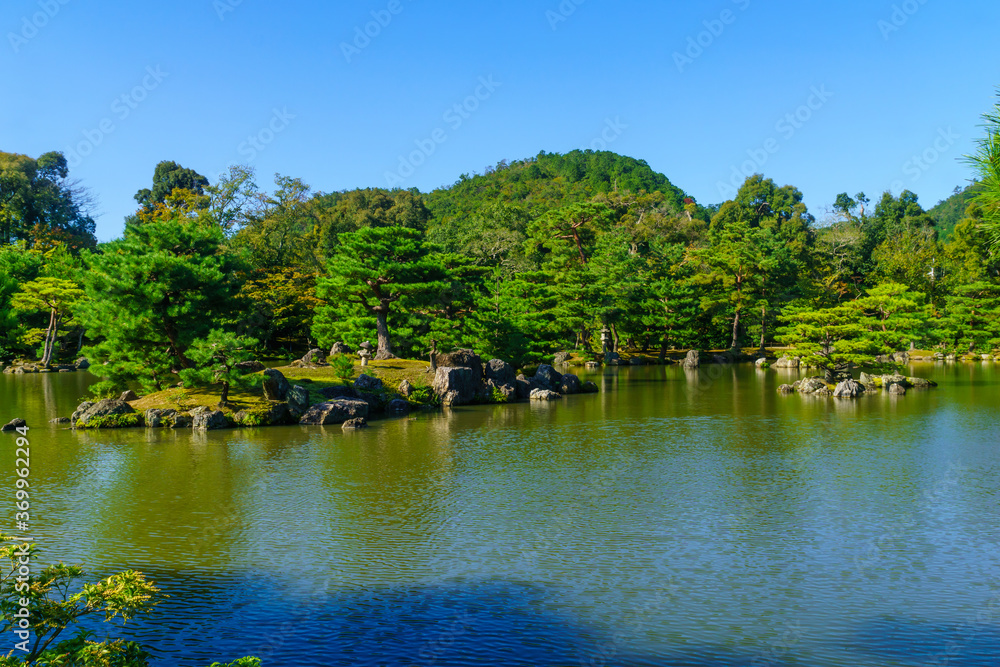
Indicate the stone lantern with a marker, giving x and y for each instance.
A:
(365, 356)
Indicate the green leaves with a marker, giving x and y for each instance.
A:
(215, 360)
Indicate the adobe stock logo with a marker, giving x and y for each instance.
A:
(37, 21)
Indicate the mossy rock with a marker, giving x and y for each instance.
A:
(133, 420)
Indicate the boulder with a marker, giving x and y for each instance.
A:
(523, 387)
(334, 412)
(298, 400)
(900, 357)
(921, 383)
(341, 348)
(154, 417)
(570, 384)
(637, 361)
(276, 387)
(455, 386)
(367, 383)
(462, 359)
(210, 420)
(561, 358)
(849, 389)
(105, 408)
(277, 415)
(692, 360)
(82, 364)
(201, 409)
(545, 395)
(786, 389)
(592, 364)
(355, 424)
(761, 363)
(812, 386)
(247, 367)
(406, 389)
(182, 421)
(128, 396)
(312, 357)
(338, 391)
(547, 377)
(897, 389)
(60, 420)
(787, 362)
(500, 393)
(590, 388)
(13, 425)
(80, 410)
(398, 406)
(867, 380)
(895, 378)
(500, 372)
(613, 359)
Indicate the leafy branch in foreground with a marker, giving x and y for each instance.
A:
(38, 608)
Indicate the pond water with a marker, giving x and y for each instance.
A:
(676, 518)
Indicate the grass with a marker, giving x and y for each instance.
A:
(183, 399)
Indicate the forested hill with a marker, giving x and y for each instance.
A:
(950, 211)
(549, 181)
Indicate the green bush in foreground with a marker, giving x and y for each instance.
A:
(37, 608)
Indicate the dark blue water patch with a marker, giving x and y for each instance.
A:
(974, 643)
(497, 623)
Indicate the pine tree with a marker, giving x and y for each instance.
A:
(834, 339)
(216, 358)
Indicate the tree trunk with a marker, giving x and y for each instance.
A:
(763, 327)
(384, 344)
(614, 335)
(225, 394)
(736, 332)
(79, 342)
(50, 338)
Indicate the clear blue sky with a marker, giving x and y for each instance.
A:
(200, 77)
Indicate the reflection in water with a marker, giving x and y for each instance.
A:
(677, 518)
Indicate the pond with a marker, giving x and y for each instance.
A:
(676, 518)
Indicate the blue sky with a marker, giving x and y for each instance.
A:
(829, 97)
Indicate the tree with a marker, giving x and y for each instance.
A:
(55, 295)
(167, 177)
(986, 161)
(972, 317)
(217, 358)
(371, 271)
(834, 339)
(895, 316)
(153, 293)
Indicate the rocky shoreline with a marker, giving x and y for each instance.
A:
(461, 378)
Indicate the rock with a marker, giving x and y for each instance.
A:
(787, 362)
(104, 408)
(339, 391)
(276, 387)
(462, 359)
(13, 425)
(367, 383)
(82, 364)
(398, 406)
(900, 357)
(561, 358)
(692, 360)
(341, 348)
(154, 417)
(637, 361)
(867, 379)
(247, 367)
(277, 415)
(298, 400)
(201, 409)
(547, 377)
(210, 421)
(761, 363)
(406, 389)
(921, 383)
(355, 424)
(367, 346)
(786, 389)
(500, 372)
(812, 386)
(570, 384)
(849, 389)
(592, 364)
(60, 420)
(334, 412)
(80, 410)
(499, 393)
(312, 357)
(182, 421)
(897, 389)
(895, 378)
(950, 357)
(986, 357)
(455, 386)
(613, 359)
(128, 396)
(590, 388)
(523, 387)
(545, 395)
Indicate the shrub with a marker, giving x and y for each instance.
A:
(343, 367)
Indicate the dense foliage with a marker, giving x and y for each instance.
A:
(529, 258)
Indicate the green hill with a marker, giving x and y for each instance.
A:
(950, 211)
(548, 181)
